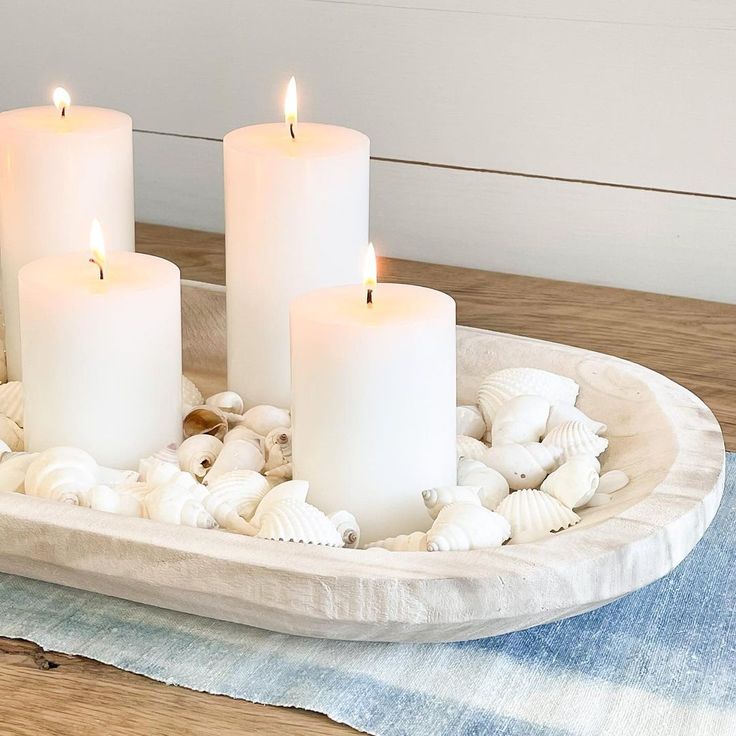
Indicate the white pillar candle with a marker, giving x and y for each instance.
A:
(57, 174)
(101, 358)
(296, 219)
(373, 392)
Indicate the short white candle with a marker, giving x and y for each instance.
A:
(296, 219)
(373, 401)
(59, 172)
(101, 357)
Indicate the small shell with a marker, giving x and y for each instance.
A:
(470, 447)
(62, 474)
(283, 472)
(561, 413)
(293, 490)
(612, 481)
(112, 501)
(246, 487)
(574, 482)
(190, 395)
(523, 466)
(414, 542)
(505, 384)
(11, 401)
(206, 420)
(157, 472)
(11, 434)
(236, 455)
(171, 504)
(297, 521)
(347, 527)
(470, 422)
(462, 526)
(519, 420)
(574, 438)
(226, 401)
(493, 486)
(198, 453)
(262, 419)
(241, 432)
(278, 447)
(435, 499)
(13, 470)
(533, 514)
(166, 455)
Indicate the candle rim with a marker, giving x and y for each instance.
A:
(45, 119)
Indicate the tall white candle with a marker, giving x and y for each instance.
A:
(59, 172)
(296, 219)
(373, 392)
(101, 357)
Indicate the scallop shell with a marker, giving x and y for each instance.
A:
(347, 527)
(493, 487)
(173, 504)
(414, 542)
(519, 420)
(297, 521)
(263, 418)
(574, 482)
(278, 447)
(11, 434)
(435, 499)
(533, 514)
(470, 447)
(246, 487)
(11, 401)
(462, 526)
(523, 466)
(62, 474)
(13, 470)
(470, 422)
(198, 453)
(226, 401)
(190, 395)
(508, 383)
(292, 490)
(574, 438)
(235, 455)
(561, 413)
(113, 501)
(207, 420)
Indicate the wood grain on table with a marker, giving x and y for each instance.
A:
(693, 342)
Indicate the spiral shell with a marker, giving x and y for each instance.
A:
(574, 482)
(11, 434)
(508, 383)
(347, 527)
(519, 420)
(574, 438)
(198, 453)
(462, 526)
(226, 401)
(533, 514)
(205, 420)
(470, 447)
(245, 488)
(190, 395)
(62, 474)
(297, 521)
(235, 455)
(172, 503)
(166, 455)
(523, 466)
(278, 447)
(113, 501)
(13, 469)
(470, 422)
(291, 490)
(435, 499)
(264, 418)
(493, 487)
(414, 542)
(561, 413)
(11, 401)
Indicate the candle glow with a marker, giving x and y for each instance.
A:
(61, 99)
(370, 273)
(97, 246)
(290, 106)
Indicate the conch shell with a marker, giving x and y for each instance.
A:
(157, 472)
(523, 466)
(13, 469)
(493, 487)
(198, 453)
(292, 490)
(462, 526)
(470, 422)
(470, 447)
(533, 514)
(347, 527)
(508, 383)
(11, 401)
(113, 501)
(264, 418)
(235, 455)
(244, 488)
(173, 503)
(574, 438)
(11, 434)
(62, 474)
(165, 455)
(226, 401)
(207, 420)
(297, 521)
(519, 420)
(190, 395)
(574, 482)
(278, 447)
(561, 413)
(435, 499)
(414, 542)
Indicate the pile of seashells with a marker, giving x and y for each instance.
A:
(527, 457)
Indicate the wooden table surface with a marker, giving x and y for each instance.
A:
(693, 342)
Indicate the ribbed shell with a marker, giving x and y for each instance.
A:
(532, 514)
(298, 521)
(11, 401)
(414, 542)
(197, 454)
(435, 499)
(493, 486)
(561, 413)
(242, 489)
(62, 474)
(292, 490)
(470, 447)
(460, 527)
(574, 482)
(523, 466)
(470, 422)
(574, 438)
(190, 394)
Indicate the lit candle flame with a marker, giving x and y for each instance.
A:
(61, 99)
(290, 106)
(97, 246)
(369, 273)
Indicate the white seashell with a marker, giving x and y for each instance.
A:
(574, 482)
(62, 474)
(297, 521)
(293, 490)
(114, 477)
(5, 450)
(241, 432)
(172, 503)
(435, 499)
(226, 401)
(263, 418)
(533, 514)
(519, 420)
(190, 395)
(462, 526)
(282, 473)
(11, 401)
(347, 527)
(612, 481)
(246, 487)
(113, 501)
(205, 420)
(523, 466)
(470, 422)
(197, 454)
(13, 470)
(414, 542)
(598, 499)
(278, 447)
(470, 447)
(508, 383)
(561, 413)
(11, 434)
(493, 486)
(236, 455)
(157, 472)
(574, 438)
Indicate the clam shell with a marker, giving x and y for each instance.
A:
(11, 401)
(11, 434)
(470, 422)
(236, 455)
(499, 387)
(172, 503)
(462, 526)
(278, 447)
(435, 499)
(190, 395)
(470, 447)
(493, 487)
(292, 490)
(112, 501)
(574, 482)
(13, 470)
(62, 474)
(561, 413)
(574, 438)
(414, 542)
(523, 466)
(207, 420)
(533, 514)
(226, 401)
(197, 454)
(347, 527)
(244, 488)
(519, 420)
(297, 521)
(264, 418)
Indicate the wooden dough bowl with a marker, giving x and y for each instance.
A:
(660, 434)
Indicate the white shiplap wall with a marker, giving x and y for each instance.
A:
(574, 91)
